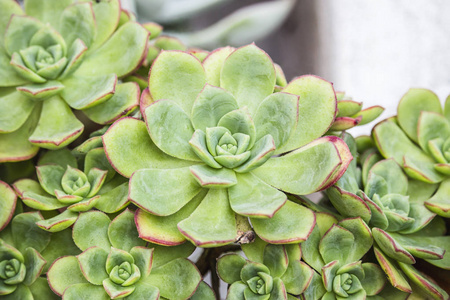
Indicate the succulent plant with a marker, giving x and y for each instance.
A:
(59, 57)
(64, 187)
(21, 260)
(394, 209)
(334, 250)
(115, 264)
(212, 150)
(351, 114)
(418, 140)
(272, 272)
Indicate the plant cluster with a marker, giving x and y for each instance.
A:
(218, 155)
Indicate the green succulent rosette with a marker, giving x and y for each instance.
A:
(66, 190)
(351, 114)
(209, 151)
(418, 139)
(393, 206)
(272, 272)
(334, 250)
(60, 57)
(25, 253)
(115, 264)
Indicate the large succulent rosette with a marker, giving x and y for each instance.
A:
(115, 264)
(60, 56)
(418, 139)
(218, 146)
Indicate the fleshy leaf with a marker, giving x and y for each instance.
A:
(120, 55)
(164, 230)
(57, 125)
(50, 177)
(63, 273)
(92, 262)
(203, 292)
(254, 198)
(297, 173)
(439, 203)
(428, 286)
(392, 142)
(59, 222)
(97, 89)
(129, 148)
(19, 32)
(107, 14)
(349, 204)
(391, 247)
(170, 129)
(293, 223)
(369, 114)
(411, 105)
(277, 115)
(213, 64)
(210, 106)
(317, 109)
(122, 232)
(298, 277)
(213, 223)
(229, 267)
(34, 263)
(91, 229)
(337, 244)
(7, 204)
(177, 279)
(78, 21)
(249, 75)
(15, 108)
(177, 76)
(85, 291)
(276, 259)
(151, 189)
(208, 177)
(26, 234)
(430, 126)
(123, 102)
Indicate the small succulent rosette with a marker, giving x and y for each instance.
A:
(273, 272)
(65, 190)
(351, 114)
(59, 57)
(393, 207)
(334, 250)
(210, 149)
(25, 251)
(418, 139)
(115, 264)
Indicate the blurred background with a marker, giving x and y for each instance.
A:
(374, 50)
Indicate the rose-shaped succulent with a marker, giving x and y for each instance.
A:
(394, 209)
(351, 114)
(334, 250)
(115, 264)
(63, 186)
(419, 141)
(56, 58)
(217, 130)
(273, 272)
(23, 258)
